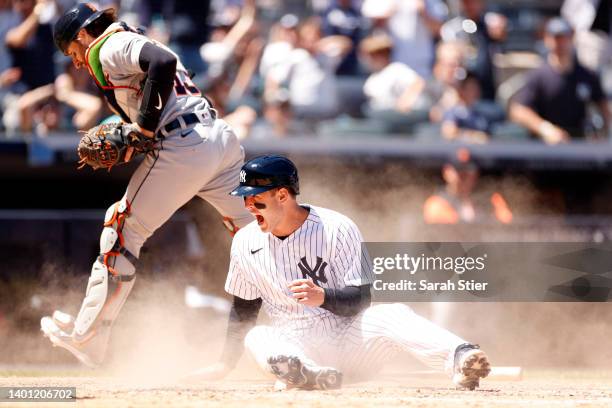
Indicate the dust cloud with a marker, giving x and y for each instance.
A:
(157, 338)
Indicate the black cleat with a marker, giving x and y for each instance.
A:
(294, 373)
(471, 364)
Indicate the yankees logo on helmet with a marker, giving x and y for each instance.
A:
(242, 176)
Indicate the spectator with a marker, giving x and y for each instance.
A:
(75, 89)
(342, 17)
(6, 18)
(234, 50)
(592, 23)
(39, 110)
(459, 202)
(181, 24)
(414, 26)
(310, 74)
(283, 39)
(278, 120)
(30, 44)
(30, 41)
(483, 33)
(553, 102)
(440, 93)
(393, 88)
(463, 122)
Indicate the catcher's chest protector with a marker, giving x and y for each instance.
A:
(94, 66)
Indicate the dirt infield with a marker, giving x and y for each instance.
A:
(549, 388)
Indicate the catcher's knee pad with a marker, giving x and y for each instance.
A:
(115, 266)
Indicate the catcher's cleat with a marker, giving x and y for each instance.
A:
(82, 350)
(471, 364)
(295, 374)
(64, 321)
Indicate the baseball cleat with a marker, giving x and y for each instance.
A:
(295, 374)
(471, 364)
(64, 321)
(60, 338)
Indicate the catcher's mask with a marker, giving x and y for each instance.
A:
(264, 173)
(78, 17)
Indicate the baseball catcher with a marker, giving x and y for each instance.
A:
(187, 151)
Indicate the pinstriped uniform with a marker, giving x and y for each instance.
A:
(263, 266)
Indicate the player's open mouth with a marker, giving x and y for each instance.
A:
(259, 218)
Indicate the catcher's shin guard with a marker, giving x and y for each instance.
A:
(114, 267)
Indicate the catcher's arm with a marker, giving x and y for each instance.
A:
(160, 66)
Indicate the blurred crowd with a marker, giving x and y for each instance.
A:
(468, 70)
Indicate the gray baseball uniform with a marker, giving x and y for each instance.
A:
(199, 157)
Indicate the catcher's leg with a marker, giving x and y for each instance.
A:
(111, 280)
(217, 190)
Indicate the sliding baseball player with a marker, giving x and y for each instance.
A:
(304, 264)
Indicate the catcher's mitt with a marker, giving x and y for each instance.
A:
(110, 144)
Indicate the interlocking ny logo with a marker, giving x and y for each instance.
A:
(242, 176)
(317, 274)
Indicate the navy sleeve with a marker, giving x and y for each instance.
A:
(160, 65)
(347, 301)
(242, 318)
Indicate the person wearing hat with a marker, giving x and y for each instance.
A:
(393, 88)
(553, 102)
(457, 202)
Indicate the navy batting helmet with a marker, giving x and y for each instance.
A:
(264, 173)
(78, 17)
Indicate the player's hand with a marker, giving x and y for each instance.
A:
(307, 293)
(213, 372)
(141, 130)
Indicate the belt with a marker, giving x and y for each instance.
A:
(186, 119)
